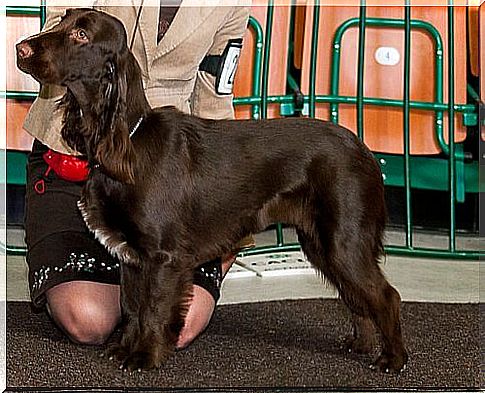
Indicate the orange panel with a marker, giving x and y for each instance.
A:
(18, 28)
(17, 137)
(482, 59)
(482, 51)
(473, 38)
(300, 14)
(383, 125)
(278, 60)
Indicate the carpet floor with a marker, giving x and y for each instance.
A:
(270, 345)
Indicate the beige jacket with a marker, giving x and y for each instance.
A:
(170, 69)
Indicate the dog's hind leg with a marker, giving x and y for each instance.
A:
(362, 339)
(351, 266)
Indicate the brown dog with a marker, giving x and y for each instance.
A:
(183, 190)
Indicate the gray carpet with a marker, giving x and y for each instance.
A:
(294, 344)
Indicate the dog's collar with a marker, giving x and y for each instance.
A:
(136, 126)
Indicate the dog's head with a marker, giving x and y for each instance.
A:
(87, 52)
(83, 46)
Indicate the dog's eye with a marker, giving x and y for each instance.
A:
(81, 35)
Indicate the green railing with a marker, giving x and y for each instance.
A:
(406, 164)
(398, 170)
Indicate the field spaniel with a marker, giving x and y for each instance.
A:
(183, 190)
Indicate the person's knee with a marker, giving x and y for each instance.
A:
(186, 336)
(198, 316)
(85, 316)
(84, 322)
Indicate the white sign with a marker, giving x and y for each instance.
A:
(387, 55)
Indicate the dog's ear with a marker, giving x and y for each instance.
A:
(95, 117)
(72, 123)
(115, 154)
(114, 151)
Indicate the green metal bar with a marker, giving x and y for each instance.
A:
(19, 11)
(335, 75)
(439, 115)
(472, 93)
(264, 94)
(434, 253)
(313, 58)
(290, 80)
(430, 106)
(360, 72)
(258, 55)
(43, 13)
(279, 99)
(267, 51)
(19, 95)
(14, 250)
(265, 81)
(406, 122)
(396, 250)
(451, 124)
(292, 83)
(288, 99)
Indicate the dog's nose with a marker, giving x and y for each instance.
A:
(24, 50)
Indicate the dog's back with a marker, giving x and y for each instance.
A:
(269, 156)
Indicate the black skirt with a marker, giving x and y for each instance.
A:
(60, 247)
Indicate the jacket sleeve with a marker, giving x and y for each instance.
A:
(205, 102)
(53, 17)
(54, 12)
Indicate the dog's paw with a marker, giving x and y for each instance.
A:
(359, 345)
(390, 363)
(139, 360)
(115, 352)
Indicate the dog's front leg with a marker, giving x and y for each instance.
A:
(168, 284)
(133, 293)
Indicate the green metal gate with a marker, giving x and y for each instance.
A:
(398, 170)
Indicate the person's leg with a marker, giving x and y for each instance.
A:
(205, 296)
(70, 272)
(87, 312)
(201, 308)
